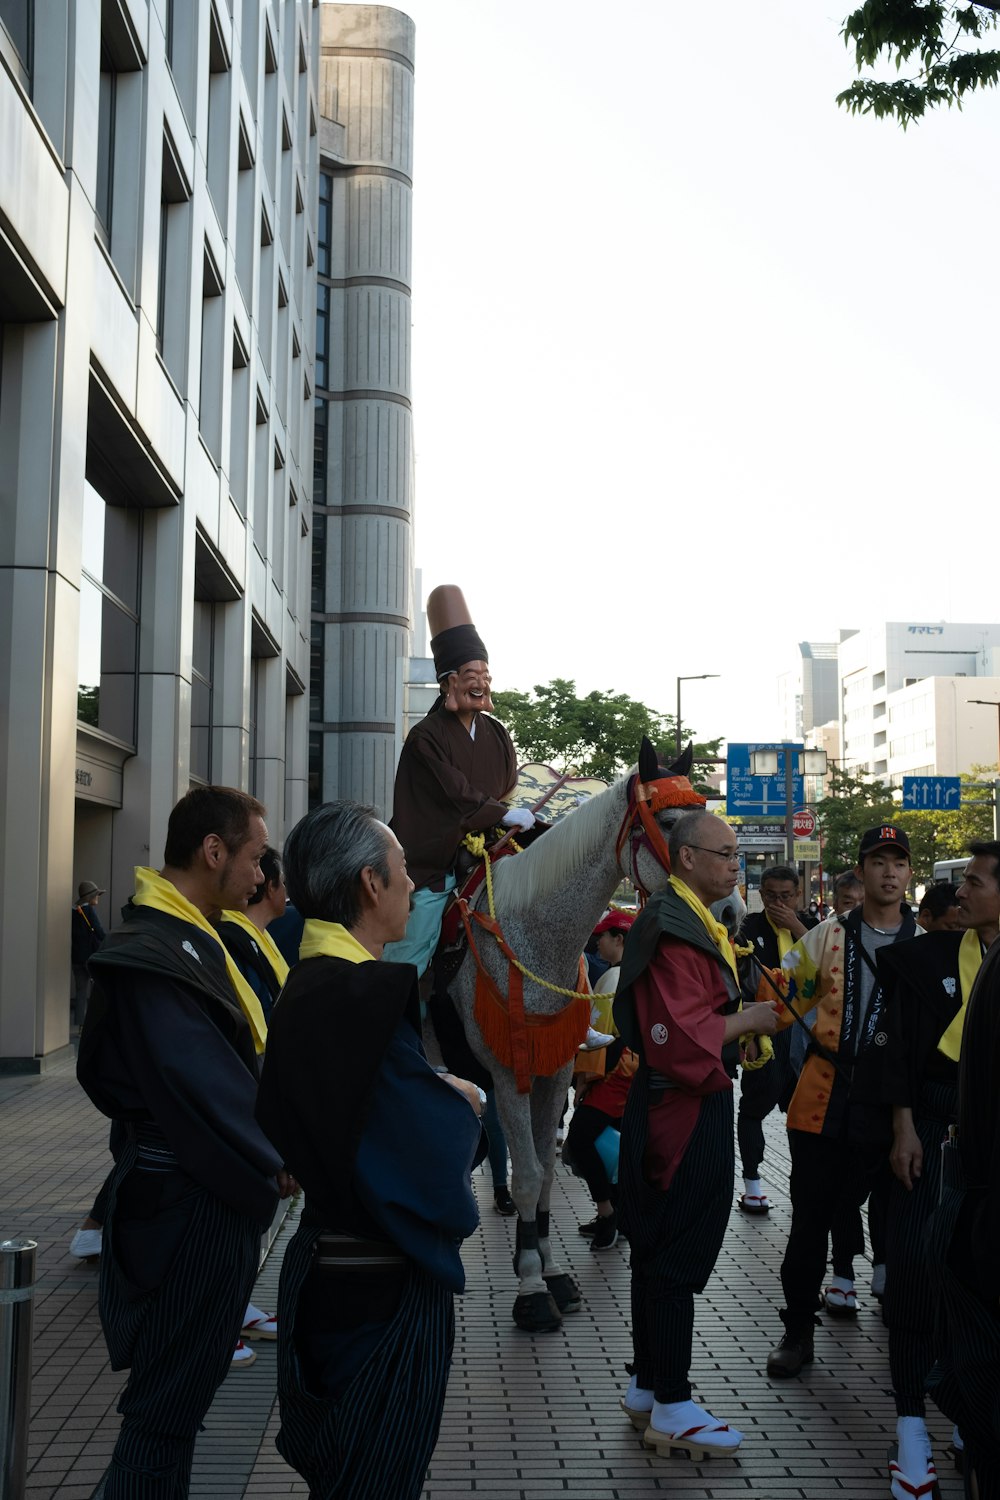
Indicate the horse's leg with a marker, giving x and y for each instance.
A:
(547, 1096)
(534, 1309)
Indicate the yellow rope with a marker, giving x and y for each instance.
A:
(476, 844)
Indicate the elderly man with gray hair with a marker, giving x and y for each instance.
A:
(383, 1147)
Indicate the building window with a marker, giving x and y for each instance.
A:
(325, 227)
(315, 768)
(107, 101)
(120, 141)
(217, 158)
(212, 344)
(319, 452)
(319, 563)
(17, 37)
(256, 775)
(172, 289)
(316, 672)
(322, 335)
(202, 677)
(109, 617)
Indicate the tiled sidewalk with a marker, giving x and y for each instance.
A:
(527, 1418)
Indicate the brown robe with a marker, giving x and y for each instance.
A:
(447, 785)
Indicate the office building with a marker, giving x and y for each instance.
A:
(362, 603)
(907, 692)
(159, 238)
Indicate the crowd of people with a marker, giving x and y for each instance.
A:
(218, 1015)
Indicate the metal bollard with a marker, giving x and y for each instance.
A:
(17, 1290)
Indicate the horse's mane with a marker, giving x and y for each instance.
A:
(548, 864)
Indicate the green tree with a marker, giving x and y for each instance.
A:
(939, 37)
(853, 804)
(595, 735)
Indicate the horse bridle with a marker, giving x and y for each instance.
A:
(639, 828)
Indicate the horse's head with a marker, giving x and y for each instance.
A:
(658, 795)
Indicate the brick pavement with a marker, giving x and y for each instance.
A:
(526, 1418)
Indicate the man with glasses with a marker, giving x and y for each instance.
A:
(771, 933)
(677, 1008)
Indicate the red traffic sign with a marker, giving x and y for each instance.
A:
(803, 823)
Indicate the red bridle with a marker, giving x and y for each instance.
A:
(640, 829)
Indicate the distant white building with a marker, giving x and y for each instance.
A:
(807, 693)
(906, 699)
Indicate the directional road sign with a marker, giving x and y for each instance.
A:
(759, 796)
(932, 792)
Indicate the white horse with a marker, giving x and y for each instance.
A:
(548, 899)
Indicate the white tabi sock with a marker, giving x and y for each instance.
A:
(677, 1417)
(637, 1398)
(915, 1455)
(842, 1283)
(753, 1187)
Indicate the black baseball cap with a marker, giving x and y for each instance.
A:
(882, 837)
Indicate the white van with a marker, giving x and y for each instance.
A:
(951, 870)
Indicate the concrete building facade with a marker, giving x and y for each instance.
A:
(159, 170)
(907, 692)
(362, 606)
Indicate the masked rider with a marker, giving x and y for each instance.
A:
(457, 770)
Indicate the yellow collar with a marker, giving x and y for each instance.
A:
(785, 940)
(716, 931)
(332, 940)
(265, 942)
(970, 958)
(153, 889)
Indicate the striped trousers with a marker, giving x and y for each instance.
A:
(177, 1269)
(965, 1383)
(675, 1239)
(367, 1425)
(910, 1303)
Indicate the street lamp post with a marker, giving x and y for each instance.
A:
(697, 677)
(991, 703)
(765, 762)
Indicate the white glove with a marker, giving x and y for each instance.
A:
(518, 817)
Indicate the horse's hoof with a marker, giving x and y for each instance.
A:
(536, 1312)
(565, 1292)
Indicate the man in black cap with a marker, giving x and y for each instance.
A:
(456, 770)
(839, 1128)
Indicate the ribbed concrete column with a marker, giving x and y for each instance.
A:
(366, 84)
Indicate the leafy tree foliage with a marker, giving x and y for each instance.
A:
(855, 804)
(939, 37)
(595, 735)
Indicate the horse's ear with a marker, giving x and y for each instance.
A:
(649, 765)
(682, 765)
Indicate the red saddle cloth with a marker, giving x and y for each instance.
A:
(452, 932)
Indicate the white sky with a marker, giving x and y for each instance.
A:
(702, 366)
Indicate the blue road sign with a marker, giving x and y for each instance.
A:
(932, 792)
(759, 796)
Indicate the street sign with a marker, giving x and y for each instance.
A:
(932, 792)
(759, 796)
(807, 849)
(803, 823)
